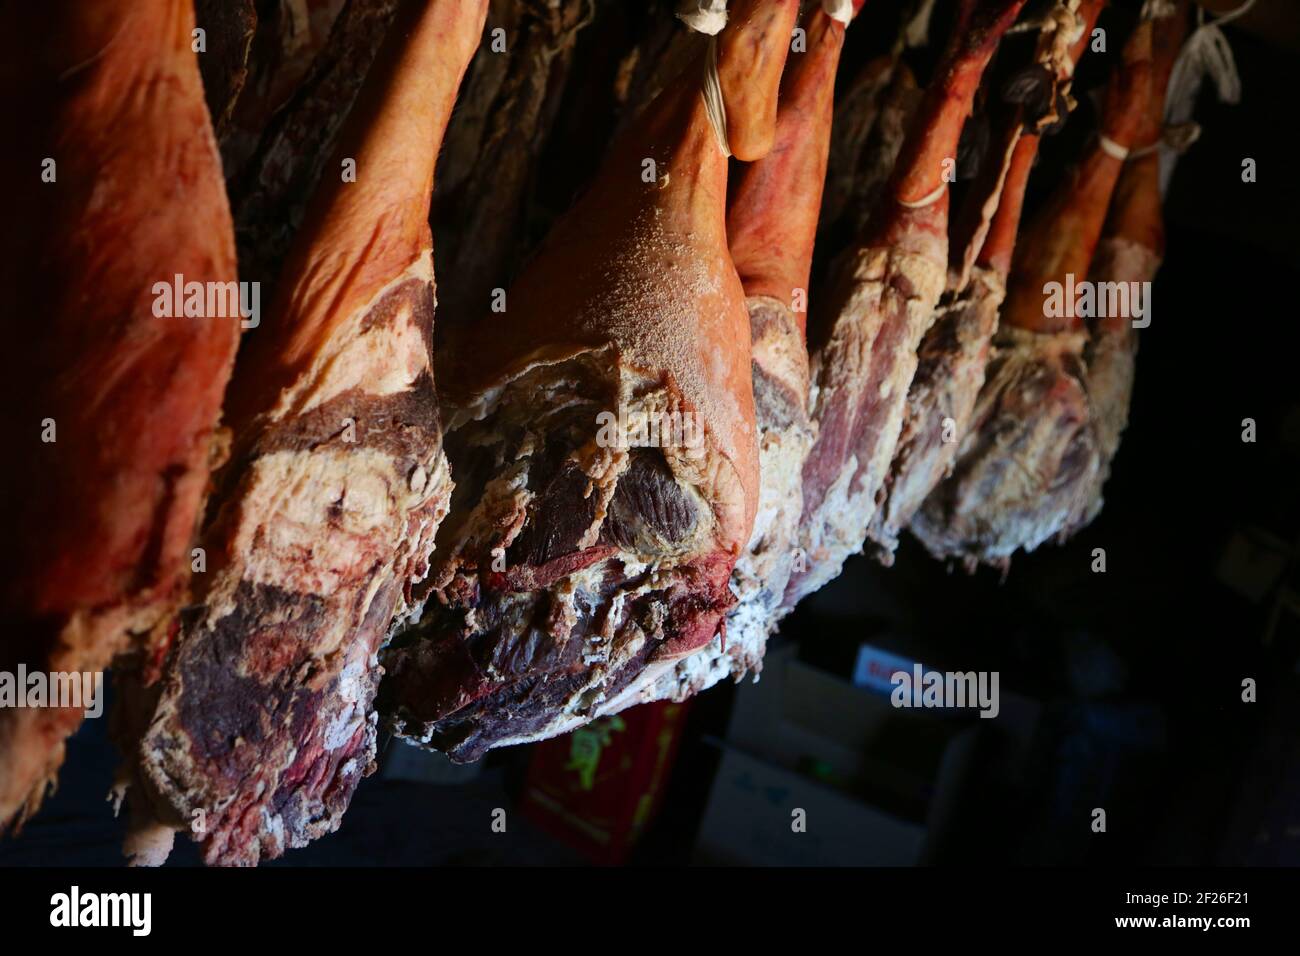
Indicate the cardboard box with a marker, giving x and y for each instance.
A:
(760, 813)
(880, 785)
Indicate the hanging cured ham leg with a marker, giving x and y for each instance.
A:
(1128, 256)
(1025, 469)
(950, 369)
(881, 305)
(602, 433)
(112, 401)
(771, 225)
(337, 483)
(954, 353)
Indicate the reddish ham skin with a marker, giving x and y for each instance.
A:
(771, 226)
(527, 577)
(326, 515)
(1130, 252)
(650, 310)
(772, 219)
(1064, 236)
(970, 229)
(749, 70)
(1000, 243)
(955, 351)
(101, 520)
(1025, 469)
(880, 306)
(1135, 212)
(950, 371)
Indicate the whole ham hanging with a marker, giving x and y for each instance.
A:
(1025, 469)
(771, 225)
(955, 351)
(326, 515)
(112, 401)
(601, 427)
(879, 307)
